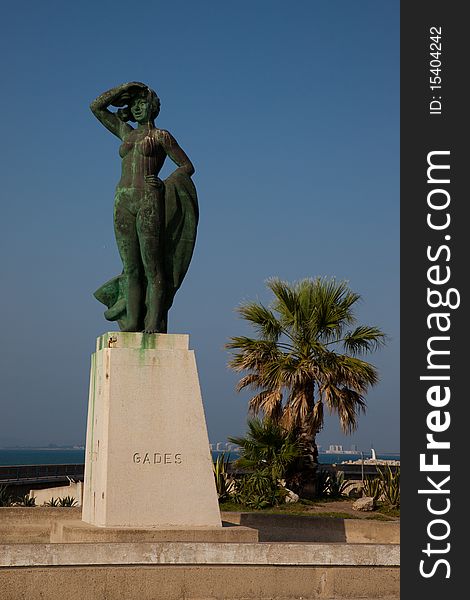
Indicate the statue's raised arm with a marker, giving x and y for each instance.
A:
(155, 221)
(118, 96)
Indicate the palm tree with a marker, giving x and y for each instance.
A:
(269, 454)
(306, 357)
(267, 447)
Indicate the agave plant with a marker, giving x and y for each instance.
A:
(390, 485)
(373, 487)
(26, 500)
(322, 481)
(52, 502)
(222, 482)
(336, 484)
(67, 501)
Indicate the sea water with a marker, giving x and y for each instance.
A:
(76, 456)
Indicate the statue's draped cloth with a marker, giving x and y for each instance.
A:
(181, 219)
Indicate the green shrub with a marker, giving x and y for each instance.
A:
(259, 490)
(330, 484)
(268, 452)
(267, 447)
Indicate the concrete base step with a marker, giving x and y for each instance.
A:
(78, 531)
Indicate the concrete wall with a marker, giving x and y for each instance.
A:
(200, 553)
(198, 571)
(45, 495)
(196, 582)
(290, 528)
(32, 524)
(27, 525)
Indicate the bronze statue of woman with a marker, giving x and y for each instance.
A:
(155, 221)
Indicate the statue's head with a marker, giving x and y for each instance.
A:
(144, 106)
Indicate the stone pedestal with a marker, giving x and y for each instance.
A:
(148, 462)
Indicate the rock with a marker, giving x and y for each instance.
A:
(354, 489)
(366, 504)
(291, 497)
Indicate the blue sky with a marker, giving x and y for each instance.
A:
(290, 114)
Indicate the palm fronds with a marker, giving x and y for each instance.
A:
(306, 355)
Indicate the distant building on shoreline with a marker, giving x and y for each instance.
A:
(335, 449)
(338, 449)
(223, 447)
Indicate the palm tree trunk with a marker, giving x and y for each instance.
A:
(308, 466)
(307, 434)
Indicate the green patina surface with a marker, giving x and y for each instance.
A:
(141, 343)
(155, 221)
(128, 340)
(148, 342)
